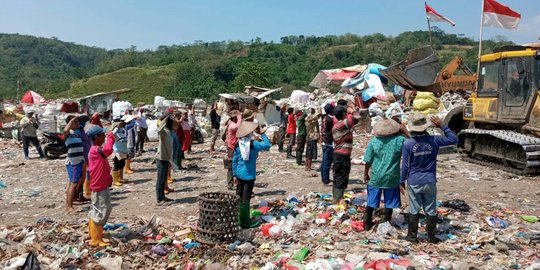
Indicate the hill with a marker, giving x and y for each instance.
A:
(203, 69)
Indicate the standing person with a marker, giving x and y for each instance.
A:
(100, 180)
(235, 118)
(83, 187)
(164, 157)
(313, 135)
(142, 128)
(291, 131)
(96, 119)
(381, 172)
(176, 156)
(180, 135)
(186, 126)
(29, 125)
(120, 152)
(130, 140)
(282, 126)
(327, 143)
(301, 135)
(193, 123)
(74, 159)
(215, 120)
(419, 172)
(343, 143)
(244, 164)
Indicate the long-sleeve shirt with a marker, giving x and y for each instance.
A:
(232, 127)
(215, 119)
(312, 124)
(301, 124)
(86, 143)
(98, 165)
(419, 157)
(27, 127)
(165, 148)
(326, 129)
(130, 134)
(247, 169)
(141, 121)
(282, 118)
(343, 136)
(291, 124)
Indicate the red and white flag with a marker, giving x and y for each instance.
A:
(434, 16)
(501, 16)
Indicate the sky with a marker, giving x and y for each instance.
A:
(114, 24)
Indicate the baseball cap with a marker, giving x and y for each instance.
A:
(95, 130)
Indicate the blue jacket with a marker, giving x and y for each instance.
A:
(419, 157)
(246, 170)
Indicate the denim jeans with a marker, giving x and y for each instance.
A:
(326, 164)
(162, 168)
(423, 197)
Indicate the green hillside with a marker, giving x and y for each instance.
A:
(204, 69)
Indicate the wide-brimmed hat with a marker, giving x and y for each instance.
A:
(386, 127)
(418, 122)
(127, 118)
(245, 128)
(247, 114)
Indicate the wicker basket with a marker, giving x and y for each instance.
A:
(218, 217)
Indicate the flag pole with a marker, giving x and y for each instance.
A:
(429, 27)
(480, 44)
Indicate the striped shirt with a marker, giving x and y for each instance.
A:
(75, 147)
(343, 137)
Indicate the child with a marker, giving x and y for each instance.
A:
(100, 179)
(75, 158)
(120, 153)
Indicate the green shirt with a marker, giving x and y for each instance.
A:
(301, 124)
(384, 155)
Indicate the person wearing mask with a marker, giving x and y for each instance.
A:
(251, 140)
(100, 180)
(291, 131)
(29, 126)
(164, 157)
(282, 126)
(419, 172)
(327, 143)
(342, 133)
(215, 121)
(235, 118)
(75, 158)
(142, 128)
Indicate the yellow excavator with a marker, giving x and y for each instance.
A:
(499, 125)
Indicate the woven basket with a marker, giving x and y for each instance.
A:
(218, 217)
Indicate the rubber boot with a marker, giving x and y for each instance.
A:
(412, 233)
(170, 180)
(298, 159)
(368, 218)
(121, 176)
(337, 195)
(87, 192)
(90, 225)
(97, 236)
(116, 178)
(245, 220)
(431, 228)
(387, 215)
(128, 169)
(289, 152)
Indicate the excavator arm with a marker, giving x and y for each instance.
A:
(455, 76)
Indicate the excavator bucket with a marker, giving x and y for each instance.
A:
(417, 72)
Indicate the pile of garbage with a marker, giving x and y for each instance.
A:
(300, 232)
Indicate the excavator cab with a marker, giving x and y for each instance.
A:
(507, 88)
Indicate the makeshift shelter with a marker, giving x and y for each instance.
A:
(336, 76)
(100, 102)
(32, 98)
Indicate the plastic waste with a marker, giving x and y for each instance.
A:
(3, 184)
(192, 245)
(386, 229)
(31, 262)
(496, 222)
(457, 204)
(255, 213)
(234, 245)
(263, 209)
(265, 229)
(531, 219)
(275, 232)
(160, 250)
(115, 226)
(358, 225)
(246, 248)
(165, 241)
(301, 254)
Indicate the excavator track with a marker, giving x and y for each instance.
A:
(502, 149)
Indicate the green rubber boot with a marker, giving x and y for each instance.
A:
(245, 220)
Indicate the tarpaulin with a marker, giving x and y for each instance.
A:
(338, 75)
(32, 97)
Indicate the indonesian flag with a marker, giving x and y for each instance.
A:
(434, 16)
(500, 16)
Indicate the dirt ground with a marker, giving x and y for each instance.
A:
(36, 188)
